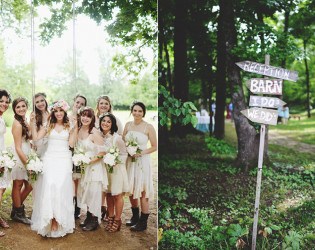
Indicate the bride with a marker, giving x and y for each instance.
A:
(53, 194)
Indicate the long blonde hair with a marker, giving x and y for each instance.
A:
(105, 97)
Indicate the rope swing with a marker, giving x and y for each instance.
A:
(74, 49)
(33, 54)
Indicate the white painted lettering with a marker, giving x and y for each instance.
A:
(268, 86)
(246, 65)
(253, 85)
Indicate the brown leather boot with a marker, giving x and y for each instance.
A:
(19, 216)
(92, 225)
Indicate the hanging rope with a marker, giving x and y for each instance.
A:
(33, 54)
(74, 49)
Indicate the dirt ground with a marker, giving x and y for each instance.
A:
(275, 138)
(20, 236)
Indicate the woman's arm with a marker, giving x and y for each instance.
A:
(17, 137)
(36, 136)
(125, 131)
(97, 139)
(152, 139)
(73, 137)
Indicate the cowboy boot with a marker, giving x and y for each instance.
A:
(92, 225)
(19, 216)
(87, 219)
(141, 224)
(77, 210)
(135, 217)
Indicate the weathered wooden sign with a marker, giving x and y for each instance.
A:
(265, 86)
(267, 70)
(267, 102)
(260, 115)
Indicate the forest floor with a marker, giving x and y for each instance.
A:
(20, 236)
(206, 202)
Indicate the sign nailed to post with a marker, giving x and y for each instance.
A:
(267, 102)
(265, 86)
(259, 115)
(267, 70)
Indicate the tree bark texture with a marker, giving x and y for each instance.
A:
(307, 82)
(221, 73)
(248, 138)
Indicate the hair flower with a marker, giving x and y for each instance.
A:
(60, 104)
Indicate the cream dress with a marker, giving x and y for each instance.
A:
(53, 189)
(19, 171)
(140, 172)
(94, 181)
(4, 180)
(118, 180)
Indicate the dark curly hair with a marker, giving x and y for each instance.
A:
(114, 127)
(5, 93)
(19, 118)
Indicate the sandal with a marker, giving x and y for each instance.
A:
(3, 223)
(116, 226)
(2, 234)
(105, 213)
(110, 223)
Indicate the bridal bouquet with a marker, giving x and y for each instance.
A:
(6, 161)
(132, 147)
(34, 165)
(80, 158)
(111, 158)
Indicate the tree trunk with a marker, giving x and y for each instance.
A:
(221, 73)
(248, 138)
(307, 82)
(285, 32)
(180, 59)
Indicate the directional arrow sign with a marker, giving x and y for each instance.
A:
(264, 116)
(265, 86)
(268, 70)
(267, 102)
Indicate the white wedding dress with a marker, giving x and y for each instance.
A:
(53, 192)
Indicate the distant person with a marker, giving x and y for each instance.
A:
(286, 114)
(280, 115)
(231, 110)
(204, 112)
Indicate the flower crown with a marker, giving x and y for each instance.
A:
(102, 115)
(82, 109)
(60, 104)
(100, 97)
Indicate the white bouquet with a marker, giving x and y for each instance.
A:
(6, 161)
(34, 165)
(132, 147)
(111, 158)
(80, 158)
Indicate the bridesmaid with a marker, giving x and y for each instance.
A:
(104, 106)
(5, 100)
(78, 102)
(118, 180)
(94, 181)
(140, 171)
(41, 116)
(22, 147)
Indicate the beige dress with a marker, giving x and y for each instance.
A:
(118, 180)
(140, 171)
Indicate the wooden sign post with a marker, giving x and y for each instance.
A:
(264, 116)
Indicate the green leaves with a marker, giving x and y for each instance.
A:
(172, 107)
